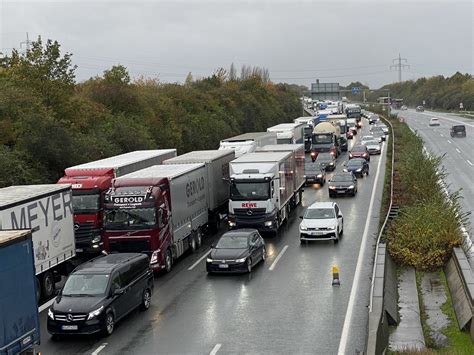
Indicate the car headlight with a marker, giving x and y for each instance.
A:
(320, 176)
(359, 170)
(332, 187)
(345, 170)
(350, 155)
(209, 260)
(95, 313)
(154, 257)
(303, 227)
(351, 187)
(268, 223)
(231, 224)
(50, 314)
(241, 260)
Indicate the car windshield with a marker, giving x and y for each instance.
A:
(358, 149)
(355, 162)
(459, 128)
(367, 138)
(342, 178)
(324, 157)
(232, 241)
(117, 218)
(85, 285)
(85, 203)
(371, 142)
(251, 190)
(319, 213)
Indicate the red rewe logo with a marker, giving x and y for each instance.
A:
(249, 204)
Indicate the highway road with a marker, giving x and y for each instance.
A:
(286, 306)
(459, 152)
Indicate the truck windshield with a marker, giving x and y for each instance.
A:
(322, 138)
(85, 285)
(250, 190)
(136, 218)
(86, 203)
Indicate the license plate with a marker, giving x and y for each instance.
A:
(79, 250)
(223, 266)
(341, 192)
(69, 327)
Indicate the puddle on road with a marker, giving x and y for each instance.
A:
(434, 296)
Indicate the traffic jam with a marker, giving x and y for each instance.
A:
(110, 229)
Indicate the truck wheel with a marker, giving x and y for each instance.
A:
(192, 242)
(199, 238)
(47, 286)
(168, 261)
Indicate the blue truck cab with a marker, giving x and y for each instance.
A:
(19, 319)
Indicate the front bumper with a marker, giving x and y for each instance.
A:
(318, 235)
(86, 327)
(375, 151)
(219, 266)
(267, 222)
(314, 180)
(341, 191)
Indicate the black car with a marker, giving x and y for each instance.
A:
(373, 119)
(358, 166)
(458, 131)
(327, 161)
(236, 251)
(314, 174)
(343, 183)
(100, 292)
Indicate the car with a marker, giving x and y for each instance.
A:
(343, 144)
(404, 108)
(434, 121)
(236, 251)
(327, 161)
(419, 108)
(359, 151)
(458, 131)
(367, 138)
(374, 147)
(383, 126)
(378, 133)
(349, 134)
(314, 174)
(342, 183)
(373, 119)
(322, 221)
(100, 292)
(358, 166)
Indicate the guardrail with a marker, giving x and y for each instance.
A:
(381, 312)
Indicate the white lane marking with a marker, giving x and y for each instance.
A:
(199, 260)
(449, 141)
(46, 305)
(99, 349)
(469, 162)
(442, 135)
(272, 266)
(360, 261)
(215, 349)
(457, 150)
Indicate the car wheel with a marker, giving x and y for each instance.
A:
(336, 240)
(264, 254)
(109, 323)
(249, 265)
(168, 261)
(146, 300)
(342, 229)
(47, 285)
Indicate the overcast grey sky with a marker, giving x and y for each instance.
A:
(298, 41)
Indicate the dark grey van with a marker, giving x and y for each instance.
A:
(100, 292)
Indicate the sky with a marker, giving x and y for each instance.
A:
(296, 40)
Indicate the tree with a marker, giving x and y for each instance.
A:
(189, 79)
(117, 75)
(232, 72)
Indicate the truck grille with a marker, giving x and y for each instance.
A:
(70, 317)
(133, 246)
(84, 230)
(249, 212)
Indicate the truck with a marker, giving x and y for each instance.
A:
(262, 190)
(354, 111)
(161, 211)
(288, 133)
(47, 211)
(326, 138)
(90, 182)
(217, 169)
(19, 319)
(248, 142)
(308, 127)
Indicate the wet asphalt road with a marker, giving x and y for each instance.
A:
(459, 152)
(285, 309)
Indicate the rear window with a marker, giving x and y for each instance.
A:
(459, 128)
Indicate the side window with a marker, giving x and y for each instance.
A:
(159, 217)
(336, 208)
(254, 239)
(116, 283)
(125, 275)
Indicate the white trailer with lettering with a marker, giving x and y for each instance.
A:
(47, 211)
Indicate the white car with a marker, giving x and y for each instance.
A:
(322, 221)
(374, 147)
(434, 122)
(365, 139)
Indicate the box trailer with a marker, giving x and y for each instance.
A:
(90, 181)
(19, 319)
(47, 211)
(217, 166)
(248, 142)
(160, 210)
(288, 133)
